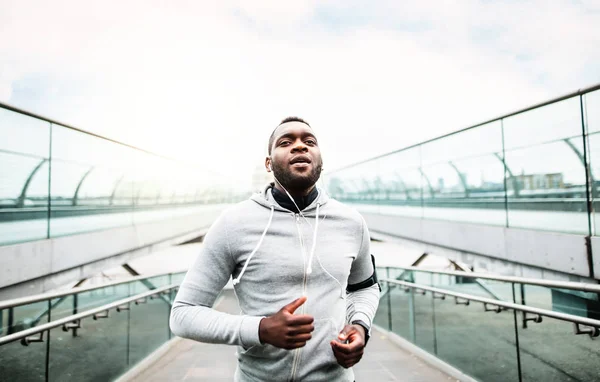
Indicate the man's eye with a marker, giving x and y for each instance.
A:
(283, 143)
(311, 142)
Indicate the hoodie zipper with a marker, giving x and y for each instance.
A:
(298, 351)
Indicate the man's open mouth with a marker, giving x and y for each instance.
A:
(300, 159)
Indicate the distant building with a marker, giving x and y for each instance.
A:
(540, 181)
(491, 186)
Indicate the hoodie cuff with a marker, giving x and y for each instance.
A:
(359, 316)
(249, 331)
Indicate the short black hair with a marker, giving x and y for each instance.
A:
(285, 120)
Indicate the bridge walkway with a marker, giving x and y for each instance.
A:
(193, 361)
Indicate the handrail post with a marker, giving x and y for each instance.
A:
(128, 355)
(47, 371)
(411, 316)
(516, 326)
(75, 306)
(523, 315)
(389, 299)
(11, 319)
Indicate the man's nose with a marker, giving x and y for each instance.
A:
(299, 146)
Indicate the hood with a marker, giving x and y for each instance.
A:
(265, 198)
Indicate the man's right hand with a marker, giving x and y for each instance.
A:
(286, 330)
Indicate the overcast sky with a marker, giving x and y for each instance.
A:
(207, 81)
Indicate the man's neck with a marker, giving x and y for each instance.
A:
(299, 203)
(295, 193)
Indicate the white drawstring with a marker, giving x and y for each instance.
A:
(237, 279)
(314, 243)
(312, 250)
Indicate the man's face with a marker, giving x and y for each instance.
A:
(295, 156)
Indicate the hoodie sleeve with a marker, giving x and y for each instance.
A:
(192, 315)
(362, 303)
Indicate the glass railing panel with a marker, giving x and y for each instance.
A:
(573, 302)
(497, 290)
(154, 185)
(382, 273)
(465, 172)
(407, 202)
(398, 274)
(425, 316)
(476, 196)
(98, 186)
(23, 363)
(382, 316)
(24, 174)
(594, 158)
(591, 103)
(480, 344)
(550, 351)
(98, 352)
(445, 186)
(177, 278)
(578, 303)
(80, 302)
(102, 296)
(24, 317)
(66, 178)
(399, 183)
(139, 286)
(545, 172)
(149, 284)
(459, 284)
(171, 296)
(34, 314)
(24, 134)
(15, 169)
(3, 321)
(149, 327)
(535, 296)
(68, 305)
(399, 303)
(424, 278)
(358, 186)
(62, 307)
(90, 189)
(95, 183)
(99, 348)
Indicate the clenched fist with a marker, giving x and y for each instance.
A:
(351, 349)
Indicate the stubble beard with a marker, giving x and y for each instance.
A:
(294, 182)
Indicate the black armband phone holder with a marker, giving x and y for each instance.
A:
(368, 282)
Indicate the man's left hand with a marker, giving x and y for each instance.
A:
(349, 353)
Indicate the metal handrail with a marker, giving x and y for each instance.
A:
(48, 296)
(71, 127)
(76, 317)
(583, 287)
(579, 92)
(504, 305)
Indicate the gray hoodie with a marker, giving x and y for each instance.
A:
(275, 256)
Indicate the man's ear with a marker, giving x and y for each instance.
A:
(268, 164)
